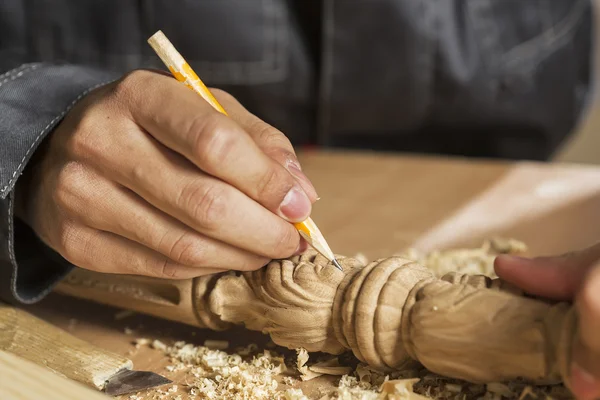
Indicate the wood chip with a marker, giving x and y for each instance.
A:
(216, 344)
(124, 314)
(305, 373)
(330, 367)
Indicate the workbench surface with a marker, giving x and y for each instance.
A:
(377, 205)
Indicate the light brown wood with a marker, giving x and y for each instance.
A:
(24, 380)
(428, 202)
(33, 339)
(388, 313)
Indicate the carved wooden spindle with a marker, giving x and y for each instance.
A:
(388, 313)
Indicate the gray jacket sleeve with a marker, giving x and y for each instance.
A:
(33, 100)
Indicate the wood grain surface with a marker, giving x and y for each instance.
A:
(25, 380)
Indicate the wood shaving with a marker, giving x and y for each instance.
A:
(215, 374)
(288, 380)
(294, 394)
(141, 342)
(124, 314)
(330, 367)
(467, 261)
(400, 389)
(527, 393)
(216, 344)
(158, 345)
(305, 373)
(72, 324)
(499, 388)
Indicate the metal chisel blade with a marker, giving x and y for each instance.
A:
(128, 381)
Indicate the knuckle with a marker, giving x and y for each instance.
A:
(166, 268)
(273, 185)
(286, 244)
(223, 96)
(254, 264)
(138, 175)
(68, 186)
(160, 267)
(206, 205)
(212, 141)
(187, 250)
(268, 137)
(82, 143)
(126, 88)
(72, 243)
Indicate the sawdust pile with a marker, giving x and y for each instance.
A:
(477, 261)
(215, 374)
(419, 384)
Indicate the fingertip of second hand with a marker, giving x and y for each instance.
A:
(584, 385)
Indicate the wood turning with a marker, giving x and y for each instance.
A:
(389, 313)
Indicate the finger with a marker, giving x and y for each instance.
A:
(186, 123)
(106, 252)
(120, 211)
(203, 203)
(584, 379)
(588, 307)
(551, 277)
(585, 367)
(270, 140)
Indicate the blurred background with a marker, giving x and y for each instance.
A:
(584, 145)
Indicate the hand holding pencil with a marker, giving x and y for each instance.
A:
(145, 177)
(182, 71)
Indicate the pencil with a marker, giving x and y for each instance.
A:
(182, 71)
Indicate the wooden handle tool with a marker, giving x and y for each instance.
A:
(33, 339)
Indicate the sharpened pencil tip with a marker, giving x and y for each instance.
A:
(337, 264)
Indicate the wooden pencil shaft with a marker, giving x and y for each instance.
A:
(182, 71)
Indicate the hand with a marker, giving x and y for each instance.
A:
(144, 177)
(574, 276)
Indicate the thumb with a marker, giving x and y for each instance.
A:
(556, 278)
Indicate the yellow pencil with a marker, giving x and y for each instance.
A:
(182, 71)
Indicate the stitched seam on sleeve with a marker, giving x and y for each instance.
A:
(11, 249)
(15, 70)
(19, 74)
(11, 252)
(41, 134)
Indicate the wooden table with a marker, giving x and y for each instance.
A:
(379, 204)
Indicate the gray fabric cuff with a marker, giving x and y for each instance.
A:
(33, 100)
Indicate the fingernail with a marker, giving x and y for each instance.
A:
(584, 385)
(295, 206)
(307, 186)
(301, 247)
